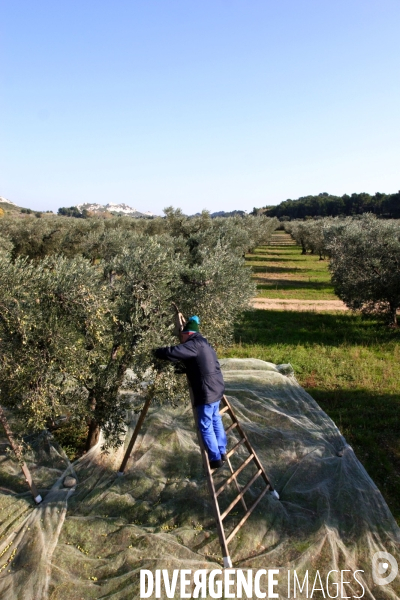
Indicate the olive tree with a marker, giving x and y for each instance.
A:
(299, 232)
(140, 300)
(67, 337)
(314, 237)
(309, 234)
(365, 264)
(54, 318)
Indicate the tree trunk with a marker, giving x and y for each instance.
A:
(93, 435)
(393, 316)
(17, 451)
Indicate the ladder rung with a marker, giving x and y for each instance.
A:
(231, 427)
(234, 475)
(223, 410)
(246, 516)
(235, 447)
(242, 493)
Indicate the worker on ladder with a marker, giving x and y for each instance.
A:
(205, 378)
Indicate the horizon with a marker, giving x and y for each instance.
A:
(218, 107)
(212, 213)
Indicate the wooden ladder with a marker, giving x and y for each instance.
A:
(226, 408)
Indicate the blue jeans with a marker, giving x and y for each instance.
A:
(212, 430)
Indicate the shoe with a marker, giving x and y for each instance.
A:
(224, 457)
(215, 464)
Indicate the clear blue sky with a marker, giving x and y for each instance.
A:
(219, 104)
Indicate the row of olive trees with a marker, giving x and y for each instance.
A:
(364, 254)
(71, 325)
(310, 235)
(98, 238)
(365, 264)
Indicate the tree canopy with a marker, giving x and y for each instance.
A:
(82, 301)
(327, 205)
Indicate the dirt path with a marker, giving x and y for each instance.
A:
(298, 305)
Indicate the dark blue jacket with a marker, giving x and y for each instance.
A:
(202, 367)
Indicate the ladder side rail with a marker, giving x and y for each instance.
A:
(134, 435)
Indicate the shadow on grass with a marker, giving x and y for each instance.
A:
(279, 259)
(269, 269)
(370, 423)
(293, 284)
(270, 327)
(260, 258)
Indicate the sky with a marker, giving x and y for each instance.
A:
(217, 105)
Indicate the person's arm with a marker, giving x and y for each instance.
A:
(179, 352)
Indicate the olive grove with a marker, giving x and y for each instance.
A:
(364, 259)
(83, 300)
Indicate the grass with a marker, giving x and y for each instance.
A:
(348, 363)
(282, 272)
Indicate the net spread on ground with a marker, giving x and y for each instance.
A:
(91, 541)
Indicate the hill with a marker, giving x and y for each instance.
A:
(7, 206)
(114, 209)
(13, 210)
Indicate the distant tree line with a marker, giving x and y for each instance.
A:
(73, 211)
(326, 205)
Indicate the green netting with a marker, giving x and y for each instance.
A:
(91, 541)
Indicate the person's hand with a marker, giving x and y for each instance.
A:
(179, 368)
(154, 354)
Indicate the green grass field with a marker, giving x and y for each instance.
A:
(282, 272)
(348, 363)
